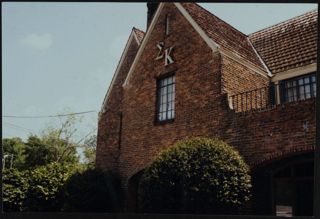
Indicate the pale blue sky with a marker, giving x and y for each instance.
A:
(62, 56)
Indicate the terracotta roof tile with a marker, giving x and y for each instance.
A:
(223, 34)
(139, 33)
(290, 44)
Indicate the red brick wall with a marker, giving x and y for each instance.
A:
(201, 106)
(237, 78)
(273, 133)
(109, 122)
(197, 73)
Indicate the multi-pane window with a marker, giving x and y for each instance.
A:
(300, 88)
(165, 98)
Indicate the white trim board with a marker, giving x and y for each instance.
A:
(194, 24)
(142, 46)
(261, 60)
(294, 72)
(115, 75)
(203, 35)
(214, 46)
(243, 62)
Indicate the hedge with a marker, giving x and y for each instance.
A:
(198, 175)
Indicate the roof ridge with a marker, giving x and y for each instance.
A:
(135, 28)
(219, 18)
(283, 22)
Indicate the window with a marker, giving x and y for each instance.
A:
(300, 88)
(165, 98)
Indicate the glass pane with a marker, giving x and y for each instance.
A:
(165, 82)
(306, 80)
(169, 97)
(302, 93)
(162, 107)
(308, 91)
(161, 91)
(164, 90)
(170, 106)
(294, 83)
(288, 84)
(160, 116)
(164, 99)
(163, 116)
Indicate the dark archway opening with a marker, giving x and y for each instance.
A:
(133, 193)
(285, 187)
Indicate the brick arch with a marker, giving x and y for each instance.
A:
(133, 187)
(279, 155)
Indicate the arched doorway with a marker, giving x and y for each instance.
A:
(293, 189)
(285, 187)
(132, 202)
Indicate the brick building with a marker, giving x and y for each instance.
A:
(192, 74)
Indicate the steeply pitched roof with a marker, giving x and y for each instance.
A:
(139, 33)
(290, 44)
(223, 34)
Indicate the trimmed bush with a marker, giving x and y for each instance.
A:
(197, 175)
(93, 190)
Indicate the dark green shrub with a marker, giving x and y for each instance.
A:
(15, 184)
(197, 175)
(45, 184)
(93, 190)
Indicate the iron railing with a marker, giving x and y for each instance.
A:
(270, 96)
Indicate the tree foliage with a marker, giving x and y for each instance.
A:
(36, 170)
(13, 151)
(45, 187)
(92, 190)
(197, 175)
(15, 185)
(37, 189)
(90, 145)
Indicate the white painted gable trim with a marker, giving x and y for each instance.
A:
(145, 39)
(183, 11)
(123, 55)
(295, 72)
(261, 60)
(243, 62)
(204, 36)
(136, 37)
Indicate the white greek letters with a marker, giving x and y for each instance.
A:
(166, 53)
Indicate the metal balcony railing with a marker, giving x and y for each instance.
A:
(270, 96)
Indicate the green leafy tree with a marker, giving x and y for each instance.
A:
(45, 185)
(92, 190)
(15, 185)
(38, 153)
(197, 175)
(13, 151)
(90, 145)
